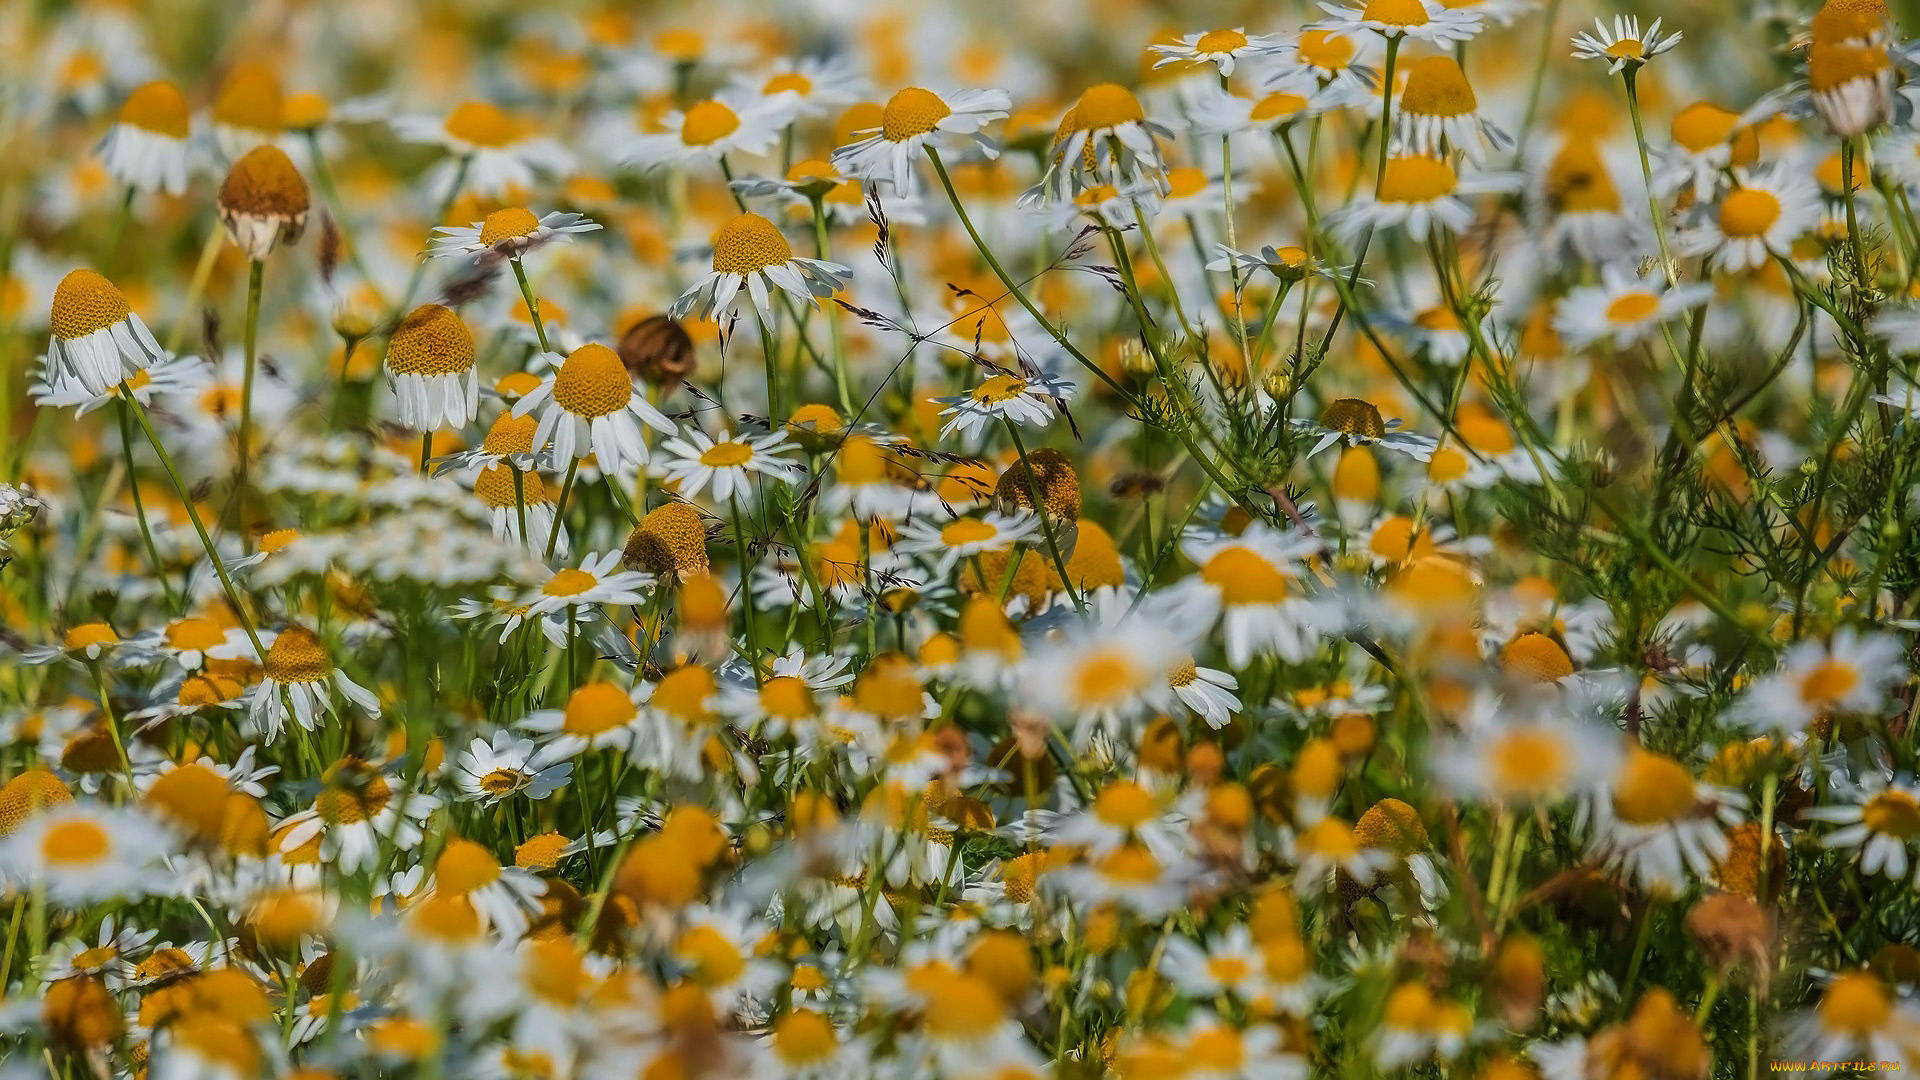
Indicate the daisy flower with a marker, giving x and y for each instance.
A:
(505, 896)
(430, 368)
(588, 407)
(597, 580)
(1231, 964)
(1851, 674)
(1332, 59)
(1657, 825)
(1249, 585)
(501, 153)
(1421, 194)
(1100, 678)
(1219, 112)
(1329, 845)
(1104, 140)
(299, 669)
(750, 252)
(146, 149)
(510, 501)
(1622, 45)
(1357, 422)
(1424, 20)
(727, 465)
(1438, 112)
(708, 131)
(356, 812)
(965, 537)
(175, 377)
(86, 643)
(1525, 759)
(917, 118)
(1209, 692)
(1858, 1017)
(1028, 399)
(1881, 818)
(98, 342)
(810, 87)
(1221, 48)
(84, 853)
(491, 772)
(1707, 141)
(510, 232)
(1767, 210)
(595, 715)
(1623, 309)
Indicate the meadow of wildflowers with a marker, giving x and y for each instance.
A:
(993, 541)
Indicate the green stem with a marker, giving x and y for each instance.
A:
(250, 351)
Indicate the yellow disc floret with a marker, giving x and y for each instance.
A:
(593, 382)
(749, 244)
(157, 107)
(913, 111)
(511, 223)
(431, 340)
(298, 656)
(85, 302)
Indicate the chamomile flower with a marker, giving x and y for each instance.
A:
(1421, 194)
(1438, 112)
(948, 542)
(299, 670)
(1099, 679)
(1029, 399)
(596, 714)
(491, 772)
(1209, 692)
(1221, 48)
(728, 467)
(505, 896)
(1851, 674)
(500, 153)
(1357, 422)
(1755, 222)
(1858, 1017)
(1519, 758)
(430, 367)
(511, 232)
(1658, 825)
(83, 853)
(1105, 140)
(98, 342)
(171, 377)
(1250, 585)
(1707, 141)
(147, 147)
(1622, 45)
(1623, 309)
(915, 119)
(750, 253)
(810, 87)
(588, 407)
(598, 580)
(708, 131)
(360, 807)
(1880, 817)
(1423, 20)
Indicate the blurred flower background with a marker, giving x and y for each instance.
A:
(819, 539)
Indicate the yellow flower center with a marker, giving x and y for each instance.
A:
(78, 842)
(482, 124)
(1651, 789)
(518, 384)
(1748, 213)
(157, 107)
(511, 434)
(540, 852)
(1895, 813)
(684, 693)
(1703, 125)
(592, 382)
(1125, 805)
(707, 123)
(1528, 762)
(1220, 41)
(503, 781)
(670, 540)
(1829, 682)
(596, 708)
(913, 111)
(962, 1008)
(1184, 181)
(194, 634)
(715, 960)
(1330, 838)
(1416, 179)
(1626, 49)
(1277, 106)
(298, 656)
(432, 340)
(1578, 181)
(569, 582)
(508, 224)
(1103, 106)
(968, 531)
(998, 390)
(1857, 1004)
(1217, 1049)
(464, 866)
(90, 635)
(787, 697)
(727, 455)
(85, 302)
(749, 244)
(680, 46)
(27, 794)
(304, 112)
(250, 98)
(1632, 307)
(494, 485)
(1437, 87)
(1536, 658)
(790, 81)
(1244, 576)
(1106, 677)
(803, 1037)
(1395, 13)
(1325, 50)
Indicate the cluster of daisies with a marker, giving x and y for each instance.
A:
(992, 543)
